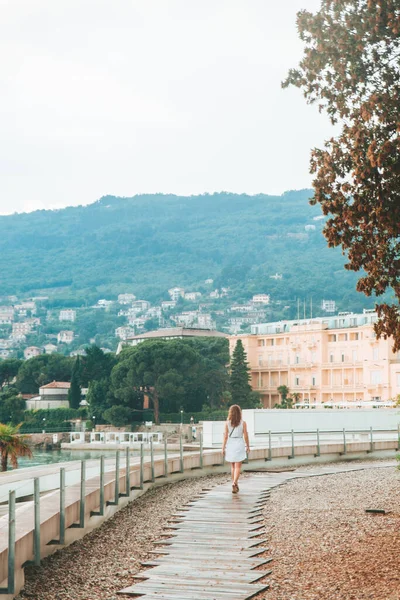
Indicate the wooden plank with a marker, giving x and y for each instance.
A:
(210, 549)
(202, 575)
(192, 588)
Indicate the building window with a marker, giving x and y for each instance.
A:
(313, 357)
(398, 380)
(375, 354)
(261, 342)
(297, 381)
(313, 380)
(297, 359)
(354, 355)
(343, 357)
(331, 358)
(260, 360)
(376, 377)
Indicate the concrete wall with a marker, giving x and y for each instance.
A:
(259, 422)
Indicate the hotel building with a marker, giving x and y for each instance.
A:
(335, 359)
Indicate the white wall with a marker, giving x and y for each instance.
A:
(261, 421)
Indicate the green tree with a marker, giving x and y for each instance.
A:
(9, 370)
(12, 445)
(75, 392)
(158, 369)
(285, 402)
(98, 397)
(12, 406)
(119, 415)
(351, 68)
(41, 370)
(151, 324)
(240, 387)
(96, 365)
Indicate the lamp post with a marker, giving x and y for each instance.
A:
(44, 425)
(94, 423)
(181, 417)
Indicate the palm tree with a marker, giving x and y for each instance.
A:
(12, 445)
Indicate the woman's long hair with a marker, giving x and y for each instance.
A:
(235, 415)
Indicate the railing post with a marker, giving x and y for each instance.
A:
(269, 445)
(62, 506)
(11, 543)
(318, 445)
(141, 466)
(371, 438)
(102, 501)
(36, 532)
(181, 453)
(344, 441)
(292, 455)
(165, 458)
(201, 449)
(127, 473)
(83, 495)
(116, 493)
(153, 477)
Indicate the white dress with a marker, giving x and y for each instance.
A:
(235, 447)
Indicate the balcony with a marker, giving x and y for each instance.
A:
(270, 364)
(347, 387)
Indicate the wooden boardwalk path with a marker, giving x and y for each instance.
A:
(214, 548)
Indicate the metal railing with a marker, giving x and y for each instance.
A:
(341, 437)
(36, 553)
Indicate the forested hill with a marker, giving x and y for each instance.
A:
(149, 243)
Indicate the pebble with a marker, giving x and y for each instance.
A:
(324, 545)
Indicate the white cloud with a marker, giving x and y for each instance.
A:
(136, 96)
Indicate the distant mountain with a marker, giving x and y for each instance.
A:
(149, 243)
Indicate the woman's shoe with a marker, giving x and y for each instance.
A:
(235, 488)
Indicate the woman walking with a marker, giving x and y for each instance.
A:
(235, 444)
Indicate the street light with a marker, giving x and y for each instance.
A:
(94, 422)
(181, 417)
(44, 424)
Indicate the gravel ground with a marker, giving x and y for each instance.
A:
(324, 545)
(103, 562)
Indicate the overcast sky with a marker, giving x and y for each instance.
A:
(139, 96)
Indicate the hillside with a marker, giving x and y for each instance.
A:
(148, 243)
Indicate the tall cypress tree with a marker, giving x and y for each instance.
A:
(240, 387)
(74, 394)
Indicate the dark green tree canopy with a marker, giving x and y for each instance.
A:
(75, 392)
(240, 387)
(41, 370)
(351, 68)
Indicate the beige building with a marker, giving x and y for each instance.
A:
(67, 315)
(22, 328)
(65, 337)
(31, 352)
(52, 395)
(328, 360)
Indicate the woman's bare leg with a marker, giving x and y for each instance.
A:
(233, 472)
(237, 470)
